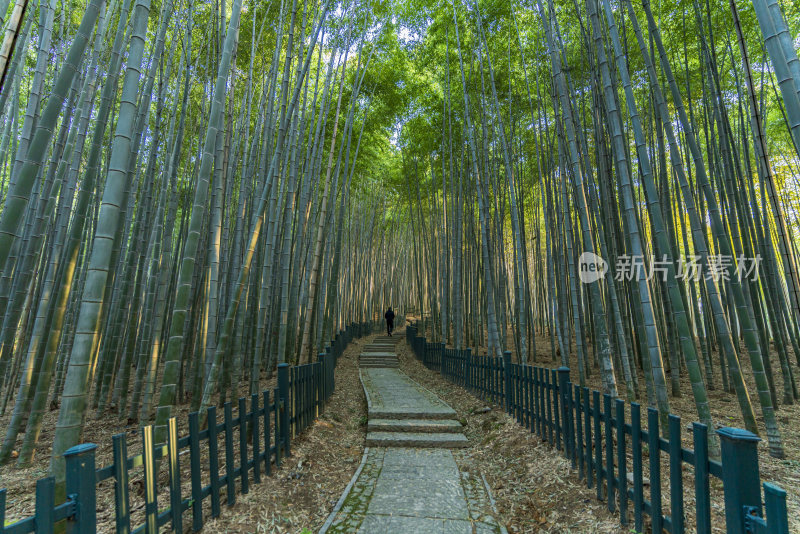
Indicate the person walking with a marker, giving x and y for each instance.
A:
(389, 316)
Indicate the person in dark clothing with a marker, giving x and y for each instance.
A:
(389, 316)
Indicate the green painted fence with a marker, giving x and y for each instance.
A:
(593, 432)
(261, 430)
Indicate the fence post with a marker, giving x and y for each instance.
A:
(80, 484)
(332, 362)
(323, 382)
(775, 504)
(507, 380)
(566, 419)
(441, 359)
(283, 399)
(468, 369)
(331, 374)
(740, 477)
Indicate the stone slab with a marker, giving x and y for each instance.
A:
(378, 348)
(414, 425)
(410, 491)
(389, 524)
(447, 440)
(391, 394)
(419, 483)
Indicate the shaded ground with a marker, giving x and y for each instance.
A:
(535, 488)
(724, 410)
(298, 495)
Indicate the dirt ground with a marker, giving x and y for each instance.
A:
(725, 411)
(535, 488)
(299, 496)
(295, 497)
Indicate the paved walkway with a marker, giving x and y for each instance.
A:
(409, 481)
(391, 393)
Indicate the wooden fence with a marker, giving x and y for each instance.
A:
(592, 431)
(263, 428)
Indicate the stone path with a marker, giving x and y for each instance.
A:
(408, 481)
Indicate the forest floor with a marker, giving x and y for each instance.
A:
(725, 411)
(536, 489)
(297, 496)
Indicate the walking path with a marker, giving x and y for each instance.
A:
(408, 481)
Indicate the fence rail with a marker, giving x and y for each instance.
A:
(263, 432)
(592, 431)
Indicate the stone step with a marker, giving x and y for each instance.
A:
(379, 365)
(378, 353)
(393, 363)
(379, 347)
(444, 440)
(414, 425)
(410, 412)
(378, 360)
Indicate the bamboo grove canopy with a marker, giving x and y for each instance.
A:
(194, 191)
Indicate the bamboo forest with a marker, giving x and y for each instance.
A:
(580, 217)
